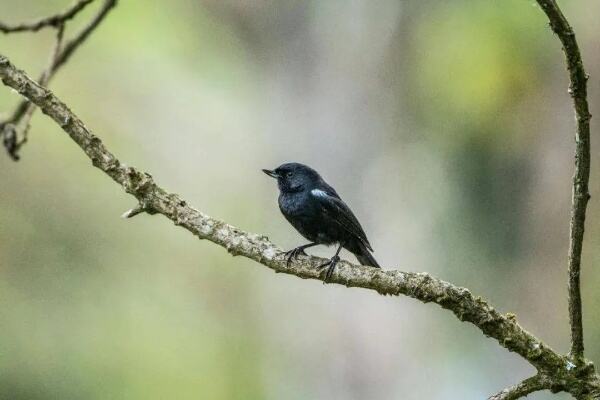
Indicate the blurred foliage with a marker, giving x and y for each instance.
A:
(446, 126)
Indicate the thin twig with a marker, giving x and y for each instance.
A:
(580, 194)
(70, 47)
(73, 44)
(53, 20)
(16, 136)
(12, 138)
(522, 389)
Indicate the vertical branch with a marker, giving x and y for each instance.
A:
(580, 196)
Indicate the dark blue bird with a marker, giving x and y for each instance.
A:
(316, 211)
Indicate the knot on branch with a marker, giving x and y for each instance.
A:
(535, 351)
(138, 183)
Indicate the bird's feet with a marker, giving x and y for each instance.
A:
(331, 267)
(293, 254)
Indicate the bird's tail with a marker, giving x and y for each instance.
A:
(364, 256)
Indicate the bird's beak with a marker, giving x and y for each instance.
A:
(272, 174)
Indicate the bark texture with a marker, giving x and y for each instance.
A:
(580, 194)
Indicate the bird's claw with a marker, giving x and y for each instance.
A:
(331, 267)
(293, 254)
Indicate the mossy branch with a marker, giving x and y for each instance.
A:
(524, 388)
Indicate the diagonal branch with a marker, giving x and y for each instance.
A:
(53, 20)
(522, 389)
(85, 32)
(580, 196)
(12, 137)
(421, 286)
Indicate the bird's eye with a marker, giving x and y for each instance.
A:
(289, 174)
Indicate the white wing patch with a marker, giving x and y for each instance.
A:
(319, 193)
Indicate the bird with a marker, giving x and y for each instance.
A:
(319, 214)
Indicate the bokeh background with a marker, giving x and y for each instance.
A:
(446, 125)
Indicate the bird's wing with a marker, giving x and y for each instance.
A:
(340, 213)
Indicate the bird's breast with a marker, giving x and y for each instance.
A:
(293, 204)
(304, 213)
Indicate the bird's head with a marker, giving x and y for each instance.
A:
(294, 177)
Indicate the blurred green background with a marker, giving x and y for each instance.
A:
(446, 125)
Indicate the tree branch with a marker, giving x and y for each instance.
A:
(15, 134)
(53, 20)
(14, 138)
(580, 195)
(421, 286)
(522, 389)
(85, 32)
